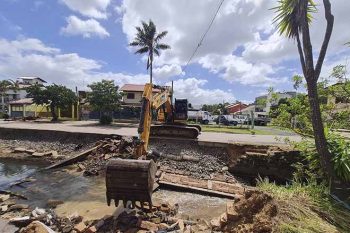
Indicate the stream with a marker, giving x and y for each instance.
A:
(86, 195)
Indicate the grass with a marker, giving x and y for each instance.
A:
(234, 130)
(307, 208)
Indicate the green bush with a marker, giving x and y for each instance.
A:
(106, 120)
(340, 150)
(4, 116)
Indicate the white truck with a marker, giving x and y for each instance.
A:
(203, 117)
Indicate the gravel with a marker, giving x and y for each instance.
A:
(44, 146)
(211, 160)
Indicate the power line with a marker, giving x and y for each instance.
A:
(205, 33)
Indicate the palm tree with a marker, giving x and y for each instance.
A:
(293, 19)
(148, 41)
(6, 85)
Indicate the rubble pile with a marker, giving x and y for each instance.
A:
(113, 147)
(160, 218)
(254, 212)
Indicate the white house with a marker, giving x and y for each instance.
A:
(20, 93)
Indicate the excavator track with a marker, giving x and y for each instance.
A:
(175, 131)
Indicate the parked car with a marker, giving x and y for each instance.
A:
(226, 120)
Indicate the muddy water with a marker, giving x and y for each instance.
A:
(86, 196)
(13, 170)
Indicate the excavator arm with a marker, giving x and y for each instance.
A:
(133, 179)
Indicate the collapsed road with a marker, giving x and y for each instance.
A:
(183, 165)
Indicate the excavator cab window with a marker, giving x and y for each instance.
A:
(181, 107)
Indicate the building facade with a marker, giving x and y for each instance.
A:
(20, 92)
(132, 94)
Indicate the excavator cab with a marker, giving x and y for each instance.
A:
(133, 179)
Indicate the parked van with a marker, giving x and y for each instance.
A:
(204, 117)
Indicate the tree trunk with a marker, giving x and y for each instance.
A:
(320, 138)
(151, 67)
(53, 112)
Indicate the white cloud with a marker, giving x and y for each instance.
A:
(193, 90)
(73, 70)
(30, 57)
(86, 28)
(236, 69)
(186, 21)
(167, 71)
(241, 25)
(92, 8)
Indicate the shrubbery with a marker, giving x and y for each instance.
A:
(339, 148)
(106, 120)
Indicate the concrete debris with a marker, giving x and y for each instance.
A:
(38, 154)
(4, 197)
(19, 150)
(18, 207)
(37, 227)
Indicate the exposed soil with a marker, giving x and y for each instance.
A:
(255, 212)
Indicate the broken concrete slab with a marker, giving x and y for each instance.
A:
(30, 151)
(19, 150)
(38, 154)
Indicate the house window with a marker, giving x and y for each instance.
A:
(130, 96)
(17, 108)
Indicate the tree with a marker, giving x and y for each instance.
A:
(6, 85)
(148, 41)
(293, 19)
(104, 97)
(56, 96)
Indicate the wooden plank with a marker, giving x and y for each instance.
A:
(200, 190)
(76, 158)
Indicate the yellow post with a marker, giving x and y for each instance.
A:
(59, 113)
(73, 118)
(24, 110)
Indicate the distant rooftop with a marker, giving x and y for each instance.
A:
(22, 101)
(135, 88)
(31, 78)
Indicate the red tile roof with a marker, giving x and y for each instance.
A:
(135, 88)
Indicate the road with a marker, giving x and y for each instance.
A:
(128, 129)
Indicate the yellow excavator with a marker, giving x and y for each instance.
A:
(133, 179)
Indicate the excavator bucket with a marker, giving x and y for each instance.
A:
(130, 180)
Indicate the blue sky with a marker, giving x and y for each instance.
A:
(76, 42)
